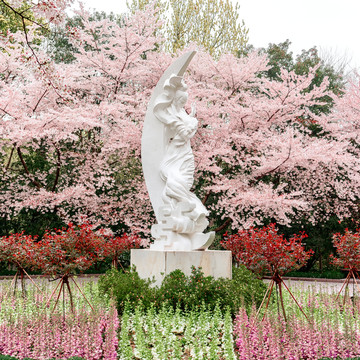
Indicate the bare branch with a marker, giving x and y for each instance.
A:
(41, 97)
(204, 200)
(224, 225)
(273, 115)
(35, 182)
(277, 167)
(10, 157)
(58, 166)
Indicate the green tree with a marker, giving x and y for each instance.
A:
(15, 19)
(280, 57)
(212, 24)
(9, 20)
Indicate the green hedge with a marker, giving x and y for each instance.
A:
(326, 274)
(186, 292)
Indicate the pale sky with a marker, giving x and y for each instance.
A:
(331, 25)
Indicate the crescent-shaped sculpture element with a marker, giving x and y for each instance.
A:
(168, 165)
(152, 143)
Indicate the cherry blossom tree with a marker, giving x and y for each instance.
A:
(345, 125)
(70, 134)
(70, 138)
(262, 152)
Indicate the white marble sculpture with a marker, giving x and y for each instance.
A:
(168, 164)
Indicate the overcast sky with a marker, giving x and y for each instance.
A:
(331, 25)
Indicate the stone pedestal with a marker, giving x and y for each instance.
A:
(155, 263)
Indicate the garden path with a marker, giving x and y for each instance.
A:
(318, 285)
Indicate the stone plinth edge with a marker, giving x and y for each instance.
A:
(158, 264)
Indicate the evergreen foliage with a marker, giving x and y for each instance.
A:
(184, 292)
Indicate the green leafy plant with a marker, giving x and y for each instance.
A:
(205, 289)
(7, 357)
(244, 290)
(192, 291)
(127, 287)
(174, 289)
(184, 292)
(325, 274)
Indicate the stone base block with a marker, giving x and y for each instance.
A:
(156, 263)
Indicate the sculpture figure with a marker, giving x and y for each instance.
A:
(181, 215)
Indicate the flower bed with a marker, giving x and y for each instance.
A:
(30, 329)
(333, 331)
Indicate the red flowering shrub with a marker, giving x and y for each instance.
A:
(115, 246)
(20, 250)
(348, 250)
(71, 250)
(264, 250)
